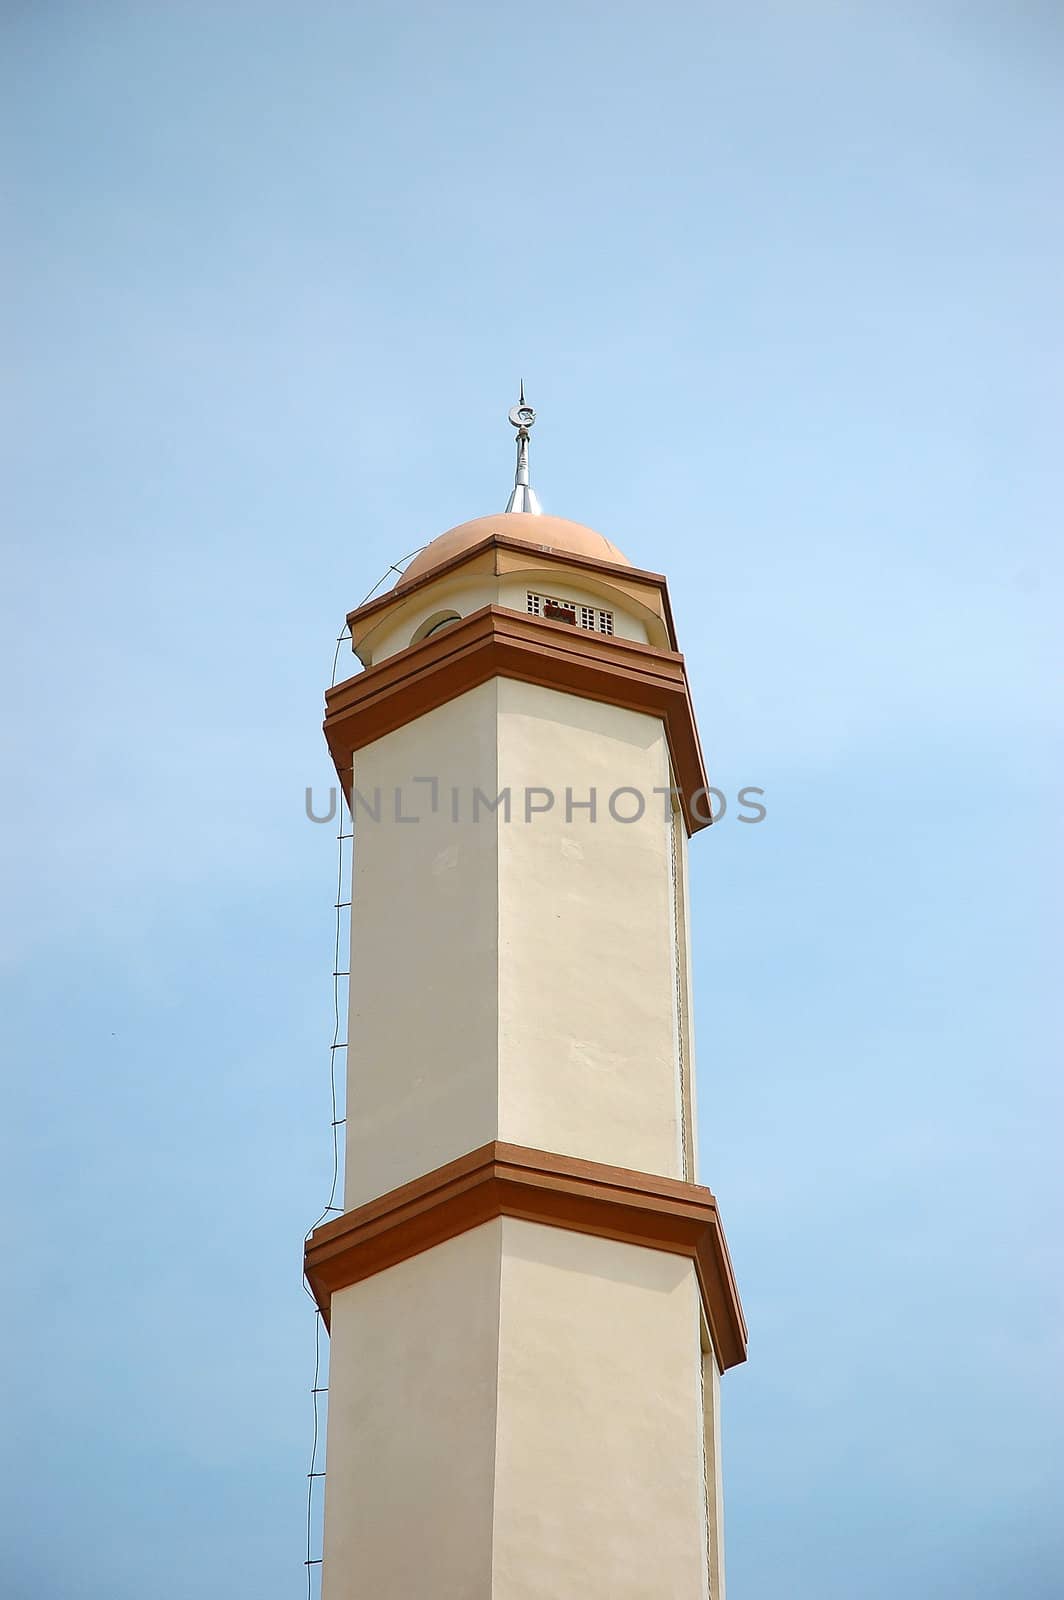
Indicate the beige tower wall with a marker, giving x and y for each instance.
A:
(600, 1488)
(515, 1415)
(514, 979)
(413, 1378)
(587, 973)
(422, 1069)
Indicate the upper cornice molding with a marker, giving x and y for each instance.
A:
(494, 642)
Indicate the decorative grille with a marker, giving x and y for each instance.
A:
(590, 618)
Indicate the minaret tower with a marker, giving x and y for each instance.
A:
(529, 1295)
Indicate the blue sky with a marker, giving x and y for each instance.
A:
(783, 282)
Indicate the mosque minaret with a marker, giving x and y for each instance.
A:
(529, 1295)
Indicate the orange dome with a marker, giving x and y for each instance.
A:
(550, 533)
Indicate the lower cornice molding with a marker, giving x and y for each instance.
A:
(507, 1180)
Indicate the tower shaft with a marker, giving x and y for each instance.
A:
(530, 1299)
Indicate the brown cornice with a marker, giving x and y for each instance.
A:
(614, 570)
(497, 643)
(508, 1180)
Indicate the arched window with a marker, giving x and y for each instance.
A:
(433, 624)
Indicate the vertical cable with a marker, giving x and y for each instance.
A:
(336, 1121)
(316, 1475)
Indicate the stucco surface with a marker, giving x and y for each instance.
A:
(422, 1083)
(512, 979)
(587, 1036)
(599, 1489)
(516, 1414)
(413, 1383)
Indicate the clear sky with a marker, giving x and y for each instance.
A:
(783, 281)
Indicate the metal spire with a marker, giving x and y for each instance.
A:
(524, 497)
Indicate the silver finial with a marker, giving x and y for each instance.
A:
(523, 498)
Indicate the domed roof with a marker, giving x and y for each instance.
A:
(550, 533)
